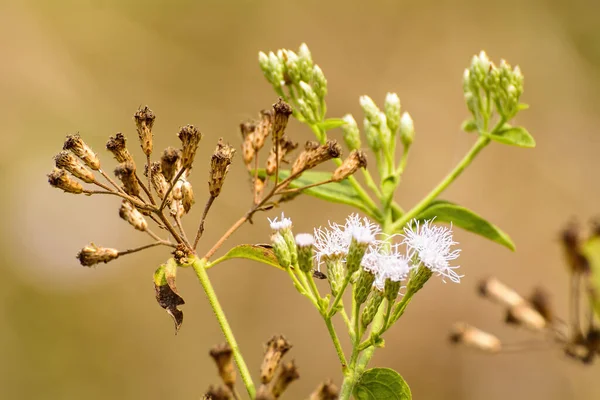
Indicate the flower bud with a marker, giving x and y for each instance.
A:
(304, 247)
(287, 374)
(363, 286)
(263, 62)
(77, 146)
(306, 110)
(187, 199)
(473, 337)
(276, 69)
(310, 96)
(281, 249)
(92, 254)
(407, 129)
(292, 67)
(59, 178)
(319, 83)
(305, 63)
(315, 154)
(190, 138)
(335, 274)
(392, 111)
(117, 146)
(222, 354)
(351, 133)
(126, 173)
(371, 110)
(371, 308)
(219, 166)
(144, 120)
(170, 163)
(67, 161)
(372, 134)
(325, 391)
(280, 118)
(277, 346)
(392, 288)
(357, 159)
(130, 214)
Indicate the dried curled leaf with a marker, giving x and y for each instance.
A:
(167, 296)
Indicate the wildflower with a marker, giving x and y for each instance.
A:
(391, 268)
(284, 223)
(431, 244)
(304, 246)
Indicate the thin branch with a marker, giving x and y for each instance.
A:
(299, 189)
(169, 227)
(182, 231)
(209, 203)
(149, 189)
(147, 246)
(158, 239)
(256, 200)
(111, 181)
(135, 202)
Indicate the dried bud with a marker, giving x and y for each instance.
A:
(187, 196)
(280, 118)
(540, 301)
(222, 354)
(126, 173)
(130, 214)
(263, 129)
(92, 254)
(357, 159)
(259, 186)
(264, 393)
(247, 128)
(285, 147)
(144, 120)
(67, 161)
(59, 178)
(287, 374)
(77, 146)
(219, 165)
(159, 182)
(571, 245)
(248, 151)
(190, 138)
(217, 393)
(117, 146)
(473, 337)
(277, 346)
(315, 155)
(170, 162)
(176, 208)
(325, 391)
(525, 315)
(495, 290)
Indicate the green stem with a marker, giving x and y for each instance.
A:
(198, 266)
(338, 297)
(481, 142)
(371, 183)
(336, 343)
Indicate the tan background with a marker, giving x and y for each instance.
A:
(70, 333)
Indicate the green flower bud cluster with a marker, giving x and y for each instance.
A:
(491, 90)
(296, 78)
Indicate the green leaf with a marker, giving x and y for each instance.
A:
(445, 211)
(381, 384)
(469, 125)
(331, 123)
(258, 252)
(591, 251)
(335, 192)
(514, 136)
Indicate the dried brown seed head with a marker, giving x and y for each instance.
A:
(282, 112)
(476, 338)
(497, 291)
(130, 214)
(159, 182)
(217, 393)
(176, 209)
(144, 120)
(59, 178)
(357, 159)
(190, 138)
(540, 301)
(313, 156)
(264, 393)
(219, 166)
(92, 254)
(263, 129)
(288, 373)
(117, 146)
(222, 354)
(170, 162)
(77, 146)
(286, 146)
(325, 391)
(126, 173)
(187, 196)
(248, 151)
(67, 161)
(247, 128)
(571, 244)
(277, 346)
(524, 314)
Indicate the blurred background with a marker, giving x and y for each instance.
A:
(69, 332)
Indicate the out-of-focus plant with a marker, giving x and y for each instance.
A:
(363, 254)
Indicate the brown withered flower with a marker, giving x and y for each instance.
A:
(263, 129)
(223, 356)
(187, 196)
(117, 146)
(67, 161)
(92, 254)
(288, 373)
(277, 346)
(144, 120)
(325, 391)
(170, 162)
(219, 166)
(357, 159)
(476, 338)
(159, 182)
(59, 178)
(286, 146)
(282, 112)
(314, 155)
(126, 173)
(77, 146)
(130, 214)
(190, 138)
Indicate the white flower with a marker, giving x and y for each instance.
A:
(362, 230)
(431, 245)
(386, 265)
(305, 239)
(284, 223)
